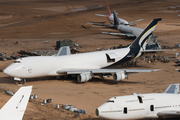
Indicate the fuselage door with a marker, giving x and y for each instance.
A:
(125, 111)
(111, 57)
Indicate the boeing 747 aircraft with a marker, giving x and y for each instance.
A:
(110, 18)
(143, 106)
(120, 24)
(14, 109)
(84, 65)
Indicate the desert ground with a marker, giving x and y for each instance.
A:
(30, 22)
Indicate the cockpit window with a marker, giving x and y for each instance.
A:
(16, 62)
(110, 101)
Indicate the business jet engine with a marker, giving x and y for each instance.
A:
(84, 77)
(119, 76)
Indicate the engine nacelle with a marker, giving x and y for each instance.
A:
(119, 76)
(83, 77)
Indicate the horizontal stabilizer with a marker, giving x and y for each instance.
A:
(161, 50)
(101, 15)
(136, 21)
(119, 34)
(172, 88)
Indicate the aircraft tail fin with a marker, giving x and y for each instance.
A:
(172, 89)
(140, 41)
(108, 9)
(14, 109)
(65, 50)
(116, 19)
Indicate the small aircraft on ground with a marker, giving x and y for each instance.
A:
(143, 106)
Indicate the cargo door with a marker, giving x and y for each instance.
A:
(111, 57)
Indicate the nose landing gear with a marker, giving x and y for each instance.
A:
(20, 80)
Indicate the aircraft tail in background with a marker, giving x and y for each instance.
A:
(14, 109)
(108, 9)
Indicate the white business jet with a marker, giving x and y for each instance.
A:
(84, 65)
(143, 106)
(14, 109)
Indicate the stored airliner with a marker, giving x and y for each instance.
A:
(120, 24)
(110, 18)
(14, 109)
(143, 106)
(84, 65)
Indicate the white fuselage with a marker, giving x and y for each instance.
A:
(129, 29)
(39, 66)
(130, 107)
(122, 21)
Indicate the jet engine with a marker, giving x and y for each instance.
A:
(83, 77)
(119, 76)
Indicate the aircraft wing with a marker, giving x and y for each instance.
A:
(103, 71)
(119, 34)
(136, 21)
(168, 114)
(14, 109)
(102, 24)
(172, 88)
(161, 50)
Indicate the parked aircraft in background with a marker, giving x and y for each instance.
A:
(129, 31)
(14, 109)
(110, 18)
(84, 65)
(143, 106)
(125, 30)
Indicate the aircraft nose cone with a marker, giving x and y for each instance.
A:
(8, 71)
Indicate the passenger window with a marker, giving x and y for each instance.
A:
(125, 110)
(140, 99)
(152, 107)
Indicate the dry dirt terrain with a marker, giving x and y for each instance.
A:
(30, 22)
